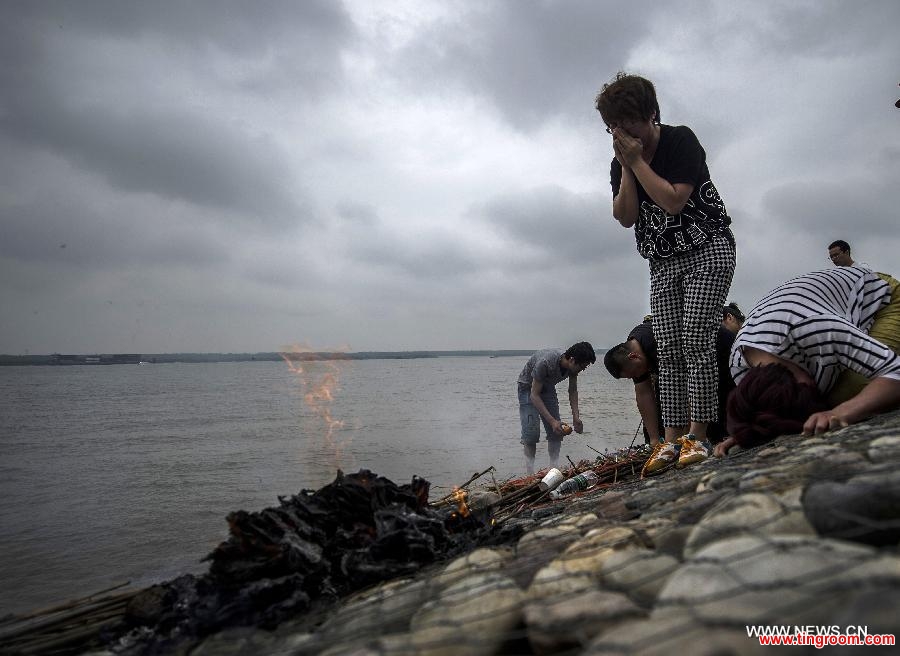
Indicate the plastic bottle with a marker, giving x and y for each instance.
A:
(577, 483)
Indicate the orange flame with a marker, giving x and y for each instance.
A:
(459, 496)
(318, 374)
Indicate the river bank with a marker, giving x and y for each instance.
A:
(801, 532)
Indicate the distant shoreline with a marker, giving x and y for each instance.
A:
(91, 360)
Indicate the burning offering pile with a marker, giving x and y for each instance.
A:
(314, 546)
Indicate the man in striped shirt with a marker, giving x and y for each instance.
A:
(812, 328)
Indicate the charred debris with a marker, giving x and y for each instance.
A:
(311, 550)
(298, 559)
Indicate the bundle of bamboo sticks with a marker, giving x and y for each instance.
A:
(520, 494)
(65, 628)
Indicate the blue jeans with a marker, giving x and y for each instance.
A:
(529, 415)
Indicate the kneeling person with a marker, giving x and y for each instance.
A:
(538, 401)
(818, 352)
(636, 358)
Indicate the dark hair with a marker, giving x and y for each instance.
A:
(840, 243)
(582, 353)
(733, 309)
(615, 359)
(770, 402)
(628, 97)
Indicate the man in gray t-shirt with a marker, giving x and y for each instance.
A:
(538, 401)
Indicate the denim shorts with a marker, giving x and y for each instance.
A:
(531, 418)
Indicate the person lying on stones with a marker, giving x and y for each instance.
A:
(636, 358)
(818, 352)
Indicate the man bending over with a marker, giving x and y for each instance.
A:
(636, 358)
(538, 401)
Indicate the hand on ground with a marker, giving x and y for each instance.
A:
(721, 449)
(822, 422)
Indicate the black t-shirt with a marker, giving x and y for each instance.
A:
(724, 341)
(679, 158)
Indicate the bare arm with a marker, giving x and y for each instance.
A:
(880, 395)
(625, 204)
(555, 424)
(646, 404)
(629, 151)
(577, 424)
(671, 197)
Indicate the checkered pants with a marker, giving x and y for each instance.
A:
(686, 298)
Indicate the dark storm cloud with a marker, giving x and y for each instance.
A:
(432, 255)
(412, 174)
(297, 44)
(425, 253)
(234, 26)
(834, 208)
(62, 96)
(168, 153)
(833, 29)
(172, 154)
(61, 229)
(559, 223)
(533, 60)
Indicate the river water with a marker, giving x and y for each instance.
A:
(126, 472)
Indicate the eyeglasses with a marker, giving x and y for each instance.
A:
(624, 124)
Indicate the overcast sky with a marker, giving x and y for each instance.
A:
(243, 176)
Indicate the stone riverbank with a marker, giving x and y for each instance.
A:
(802, 532)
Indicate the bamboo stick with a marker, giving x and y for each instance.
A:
(474, 477)
(67, 618)
(523, 507)
(66, 605)
(496, 487)
(57, 642)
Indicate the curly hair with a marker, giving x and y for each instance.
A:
(770, 402)
(628, 97)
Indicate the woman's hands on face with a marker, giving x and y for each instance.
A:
(628, 150)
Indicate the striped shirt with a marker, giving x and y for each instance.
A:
(820, 321)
